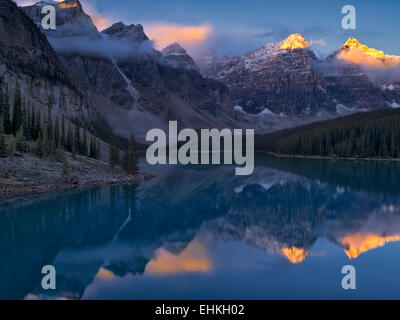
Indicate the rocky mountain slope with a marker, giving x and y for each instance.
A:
(27, 59)
(287, 78)
(117, 75)
(177, 57)
(123, 78)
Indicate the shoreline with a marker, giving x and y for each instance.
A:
(279, 155)
(13, 193)
(27, 175)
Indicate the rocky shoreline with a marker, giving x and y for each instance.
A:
(26, 174)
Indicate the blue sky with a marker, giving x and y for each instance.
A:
(243, 25)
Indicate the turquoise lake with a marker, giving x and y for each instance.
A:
(285, 232)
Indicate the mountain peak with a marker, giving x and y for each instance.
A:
(355, 52)
(71, 19)
(352, 43)
(132, 32)
(176, 56)
(294, 41)
(173, 48)
(69, 4)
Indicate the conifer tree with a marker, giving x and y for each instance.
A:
(56, 134)
(49, 123)
(77, 139)
(27, 123)
(69, 140)
(62, 141)
(84, 146)
(98, 152)
(20, 141)
(6, 113)
(114, 154)
(38, 125)
(1, 103)
(46, 143)
(33, 124)
(40, 149)
(3, 145)
(92, 148)
(130, 159)
(17, 118)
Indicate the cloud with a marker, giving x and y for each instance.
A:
(102, 48)
(163, 34)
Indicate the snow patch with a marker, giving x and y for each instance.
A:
(266, 112)
(239, 108)
(390, 87)
(395, 105)
(340, 108)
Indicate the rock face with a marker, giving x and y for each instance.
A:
(210, 63)
(280, 80)
(123, 78)
(178, 58)
(93, 75)
(350, 86)
(71, 20)
(27, 59)
(132, 32)
(288, 78)
(117, 75)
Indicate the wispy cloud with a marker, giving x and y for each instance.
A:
(164, 34)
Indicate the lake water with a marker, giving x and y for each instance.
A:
(284, 232)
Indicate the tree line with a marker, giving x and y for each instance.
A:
(51, 136)
(26, 125)
(373, 134)
(129, 161)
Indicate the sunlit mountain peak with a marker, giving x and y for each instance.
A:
(294, 41)
(194, 258)
(357, 243)
(68, 4)
(355, 52)
(295, 255)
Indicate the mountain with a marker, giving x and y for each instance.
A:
(120, 80)
(177, 57)
(286, 78)
(70, 19)
(209, 63)
(361, 77)
(28, 60)
(133, 33)
(280, 77)
(129, 83)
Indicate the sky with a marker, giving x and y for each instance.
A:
(237, 26)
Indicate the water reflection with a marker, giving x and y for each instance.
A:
(208, 226)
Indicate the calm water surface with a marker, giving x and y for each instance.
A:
(284, 232)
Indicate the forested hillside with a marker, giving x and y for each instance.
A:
(373, 134)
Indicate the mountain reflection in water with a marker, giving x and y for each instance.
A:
(202, 232)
